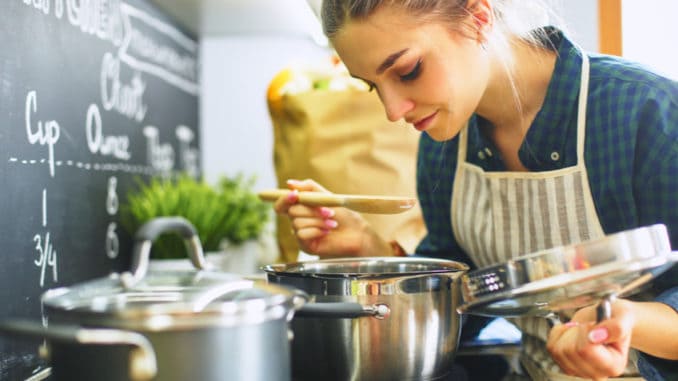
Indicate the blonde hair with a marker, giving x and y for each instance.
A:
(519, 19)
(514, 21)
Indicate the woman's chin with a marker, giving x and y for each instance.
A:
(443, 133)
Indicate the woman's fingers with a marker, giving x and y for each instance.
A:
(282, 204)
(595, 351)
(305, 185)
(304, 223)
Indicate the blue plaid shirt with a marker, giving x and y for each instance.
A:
(631, 156)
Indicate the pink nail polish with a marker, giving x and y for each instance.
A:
(326, 212)
(293, 182)
(571, 324)
(331, 224)
(293, 195)
(598, 335)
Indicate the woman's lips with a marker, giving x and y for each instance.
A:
(422, 124)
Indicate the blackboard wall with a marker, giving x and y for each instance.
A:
(93, 94)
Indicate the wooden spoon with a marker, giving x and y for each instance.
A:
(359, 203)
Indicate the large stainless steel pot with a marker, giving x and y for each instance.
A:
(172, 326)
(374, 318)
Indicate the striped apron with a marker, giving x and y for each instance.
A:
(497, 216)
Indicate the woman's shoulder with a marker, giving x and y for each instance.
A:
(623, 75)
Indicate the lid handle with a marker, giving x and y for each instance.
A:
(143, 240)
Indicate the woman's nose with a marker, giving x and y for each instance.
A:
(396, 105)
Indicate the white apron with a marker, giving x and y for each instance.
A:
(497, 216)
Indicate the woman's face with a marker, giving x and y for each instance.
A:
(423, 72)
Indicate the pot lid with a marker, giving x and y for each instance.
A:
(157, 300)
(172, 299)
(569, 277)
(366, 267)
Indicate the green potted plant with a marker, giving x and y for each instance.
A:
(227, 214)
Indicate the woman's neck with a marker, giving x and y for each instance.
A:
(515, 94)
(511, 101)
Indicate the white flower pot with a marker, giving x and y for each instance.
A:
(183, 264)
(240, 259)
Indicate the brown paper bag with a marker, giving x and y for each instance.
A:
(342, 140)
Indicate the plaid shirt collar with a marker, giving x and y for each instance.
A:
(550, 142)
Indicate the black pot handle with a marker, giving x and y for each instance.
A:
(143, 365)
(342, 310)
(143, 240)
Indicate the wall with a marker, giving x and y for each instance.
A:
(650, 42)
(236, 71)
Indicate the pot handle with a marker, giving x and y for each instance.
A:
(342, 310)
(143, 240)
(143, 364)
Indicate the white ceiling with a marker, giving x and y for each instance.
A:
(227, 17)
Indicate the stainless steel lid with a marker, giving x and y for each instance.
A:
(366, 267)
(155, 300)
(569, 276)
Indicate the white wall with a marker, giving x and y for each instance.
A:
(236, 128)
(236, 70)
(649, 32)
(581, 21)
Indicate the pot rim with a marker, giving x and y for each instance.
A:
(396, 266)
(104, 302)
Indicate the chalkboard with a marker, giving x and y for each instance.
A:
(93, 96)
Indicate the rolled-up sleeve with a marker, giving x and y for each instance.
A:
(653, 368)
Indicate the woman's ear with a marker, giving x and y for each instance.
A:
(483, 18)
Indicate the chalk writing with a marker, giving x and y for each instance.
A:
(112, 196)
(175, 62)
(127, 99)
(41, 5)
(46, 133)
(160, 155)
(116, 146)
(100, 18)
(188, 155)
(112, 241)
(47, 256)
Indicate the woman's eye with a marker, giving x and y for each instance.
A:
(413, 74)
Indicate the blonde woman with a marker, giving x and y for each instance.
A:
(527, 143)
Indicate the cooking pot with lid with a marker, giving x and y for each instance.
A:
(383, 318)
(170, 326)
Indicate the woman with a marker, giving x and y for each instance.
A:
(511, 161)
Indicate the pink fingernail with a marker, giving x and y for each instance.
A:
(598, 335)
(293, 182)
(326, 212)
(571, 324)
(293, 195)
(331, 224)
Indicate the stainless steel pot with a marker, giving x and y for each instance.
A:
(374, 318)
(172, 326)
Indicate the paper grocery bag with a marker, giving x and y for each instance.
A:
(342, 140)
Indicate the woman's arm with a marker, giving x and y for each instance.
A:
(656, 330)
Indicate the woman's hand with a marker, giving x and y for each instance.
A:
(585, 349)
(328, 232)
